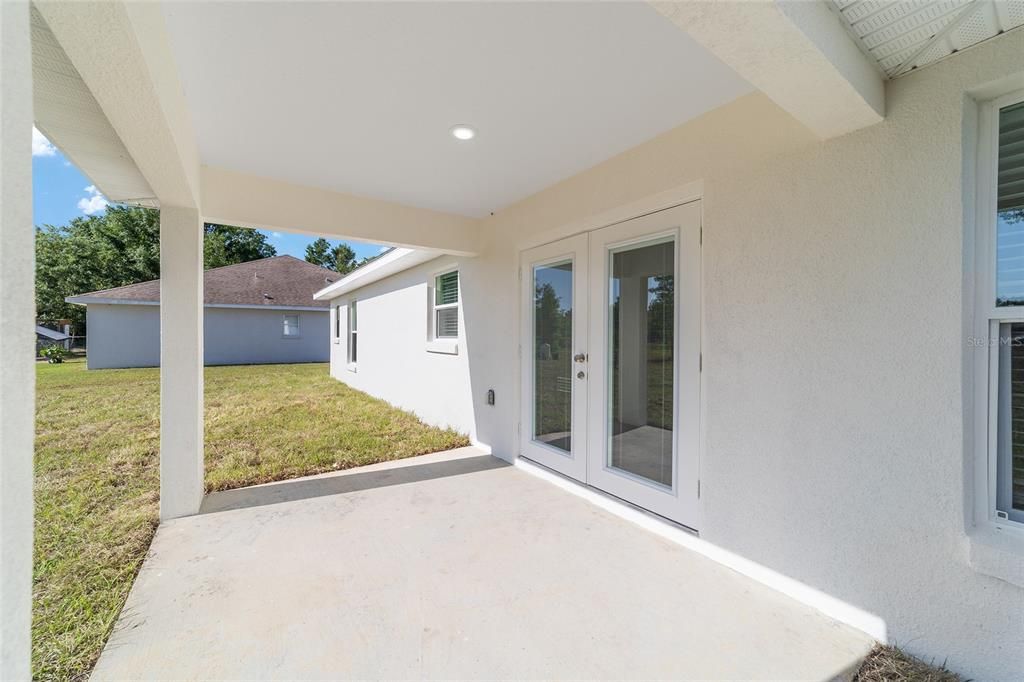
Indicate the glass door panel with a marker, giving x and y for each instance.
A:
(641, 341)
(552, 353)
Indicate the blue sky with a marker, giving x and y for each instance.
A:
(60, 192)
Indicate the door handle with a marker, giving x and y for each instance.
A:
(580, 357)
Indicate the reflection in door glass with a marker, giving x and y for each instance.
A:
(552, 353)
(641, 339)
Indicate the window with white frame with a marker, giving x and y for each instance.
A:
(445, 316)
(1001, 303)
(290, 325)
(353, 332)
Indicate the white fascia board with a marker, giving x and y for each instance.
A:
(99, 300)
(390, 263)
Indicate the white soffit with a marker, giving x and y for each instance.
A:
(359, 97)
(70, 117)
(908, 34)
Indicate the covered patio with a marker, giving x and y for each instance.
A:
(834, 167)
(450, 566)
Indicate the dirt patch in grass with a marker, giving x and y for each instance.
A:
(97, 475)
(891, 664)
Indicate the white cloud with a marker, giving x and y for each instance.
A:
(275, 235)
(94, 203)
(40, 145)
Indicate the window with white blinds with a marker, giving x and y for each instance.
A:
(353, 332)
(446, 305)
(1004, 294)
(290, 325)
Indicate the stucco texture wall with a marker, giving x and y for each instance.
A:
(129, 336)
(833, 347)
(393, 362)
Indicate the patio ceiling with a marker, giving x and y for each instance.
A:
(334, 118)
(360, 97)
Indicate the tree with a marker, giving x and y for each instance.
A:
(95, 252)
(553, 323)
(120, 247)
(661, 311)
(224, 245)
(340, 258)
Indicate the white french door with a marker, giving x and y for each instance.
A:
(554, 403)
(611, 359)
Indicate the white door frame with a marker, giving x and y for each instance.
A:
(682, 506)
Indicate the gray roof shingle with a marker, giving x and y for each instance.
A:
(275, 281)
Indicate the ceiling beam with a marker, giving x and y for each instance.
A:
(796, 52)
(121, 53)
(71, 118)
(233, 198)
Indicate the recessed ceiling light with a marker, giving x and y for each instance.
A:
(463, 132)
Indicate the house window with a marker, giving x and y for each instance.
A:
(352, 332)
(446, 305)
(1001, 304)
(291, 325)
(337, 324)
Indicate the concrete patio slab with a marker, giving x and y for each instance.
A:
(453, 565)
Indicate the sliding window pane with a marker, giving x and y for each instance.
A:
(447, 322)
(1010, 459)
(1010, 208)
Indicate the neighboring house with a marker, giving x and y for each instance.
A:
(46, 337)
(257, 312)
(751, 267)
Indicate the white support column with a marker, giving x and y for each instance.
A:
(181, 362)
(17, 341)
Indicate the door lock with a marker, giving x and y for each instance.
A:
(580, 357)
(580, 374)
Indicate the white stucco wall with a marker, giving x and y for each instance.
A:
(129, 336)
(834, 347)
(393, 360)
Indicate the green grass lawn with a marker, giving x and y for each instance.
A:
(97, 475)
